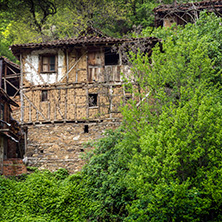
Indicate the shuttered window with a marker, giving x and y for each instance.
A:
(48, 63)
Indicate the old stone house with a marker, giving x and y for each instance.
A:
(70, 91)
(181, 14)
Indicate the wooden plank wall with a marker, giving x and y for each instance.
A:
(71, 103)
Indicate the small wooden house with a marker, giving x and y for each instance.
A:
(181, 14)
(71, 91)
(11, 139)
(10, 82)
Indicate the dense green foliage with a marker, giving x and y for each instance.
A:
(25, 21)
(164, 163)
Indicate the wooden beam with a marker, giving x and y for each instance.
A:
(12, 76)
(16, 93)
(21, 89)
(110, 100)
(87, 102)
(12, 70)
(36, 71)
(75, 64)
(5, 73)
(138, 104)
(1, 72)
(72, 86)
(57, 105)
(38, 112)
(5, 80)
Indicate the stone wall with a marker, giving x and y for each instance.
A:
(60, 145)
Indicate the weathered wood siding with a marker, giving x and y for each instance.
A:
(80, 72)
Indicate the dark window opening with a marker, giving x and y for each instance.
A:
(44, 96)
(41, 151)
(128, 88)
(86, 129)
(48, 63)
(93, 100)
(127, 98)
(111, 58)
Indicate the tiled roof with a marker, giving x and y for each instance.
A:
(89, 37)
(10, 62)
(208, 5)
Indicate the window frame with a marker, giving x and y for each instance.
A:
(93, 104)
(48, 56)
(44, 95)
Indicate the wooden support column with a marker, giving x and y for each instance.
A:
(67, 81)
(21, 90)
(1, 71)
(5, 73)
(75, 106)
(110, 100)
(87, 102)
(30, 113)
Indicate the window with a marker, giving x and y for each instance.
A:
(93, 100)
(48, 63)
(44, 96)
(86, 129)
(127, 98)
(111, 58)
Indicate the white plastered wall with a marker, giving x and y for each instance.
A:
(31, 67)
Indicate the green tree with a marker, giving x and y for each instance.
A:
(177, 135)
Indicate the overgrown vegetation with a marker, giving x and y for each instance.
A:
(164, 163)
(25, 21)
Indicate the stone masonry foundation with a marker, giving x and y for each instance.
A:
(53, 146)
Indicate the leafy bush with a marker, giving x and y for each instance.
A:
(163, 164)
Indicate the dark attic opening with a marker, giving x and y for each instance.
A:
(111, 58)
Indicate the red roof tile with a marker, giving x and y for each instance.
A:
(10, 62)
(89, 37)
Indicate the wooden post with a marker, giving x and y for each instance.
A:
(110, 100)
(66, 98)
(1, 68)
(87, 102)
(5, 73)
(21, 90)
